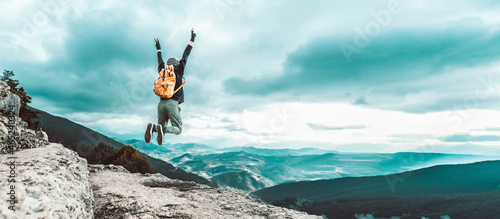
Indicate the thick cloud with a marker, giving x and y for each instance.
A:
(393, 65)
(103, 61)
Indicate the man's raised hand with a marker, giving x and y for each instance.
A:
(158, 47)
(193, 35)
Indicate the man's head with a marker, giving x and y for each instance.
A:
(172, 61)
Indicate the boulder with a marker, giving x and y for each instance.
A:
(41, 135)
(23, 125)
(8, 102)
(4, 90)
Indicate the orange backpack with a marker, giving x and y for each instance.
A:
(165, 83)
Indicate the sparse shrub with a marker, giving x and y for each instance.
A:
(131, 159)
(127, 156)
(101, 153)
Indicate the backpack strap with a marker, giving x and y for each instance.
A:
(180, 86)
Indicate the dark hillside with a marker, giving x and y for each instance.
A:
(82, 139)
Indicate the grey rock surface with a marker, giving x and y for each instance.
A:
(15, 137)
(41, 135)
(8, 102)
(126, 195)
(93, 168)
(4, 90)
(50, 182)
(4, 132)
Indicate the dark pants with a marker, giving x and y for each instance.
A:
(170, 110)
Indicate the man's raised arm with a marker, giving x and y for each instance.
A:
(187, 51)
(161, 64)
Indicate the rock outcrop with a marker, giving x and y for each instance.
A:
(14, 133)
(8, 101)
(15, 136)
(50, 182)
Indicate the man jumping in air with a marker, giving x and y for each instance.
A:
(168, 108)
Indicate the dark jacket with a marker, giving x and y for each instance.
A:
(179, 73)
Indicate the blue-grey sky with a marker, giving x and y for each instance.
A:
(356, 76)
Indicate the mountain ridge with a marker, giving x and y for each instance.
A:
(408, 183)
(77, 137)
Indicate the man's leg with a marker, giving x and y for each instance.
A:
(148, 135)
(162, 113)
(162, 120)
(174, 114)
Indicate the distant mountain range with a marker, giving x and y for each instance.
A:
(169, 151)
(77, 137)
(459, 191)
(250, 168)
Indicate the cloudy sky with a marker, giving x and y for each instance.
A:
(378, 76)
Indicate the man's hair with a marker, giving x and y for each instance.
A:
(172, 61)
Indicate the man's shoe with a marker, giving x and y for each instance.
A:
(159, 137)
(148, 136)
